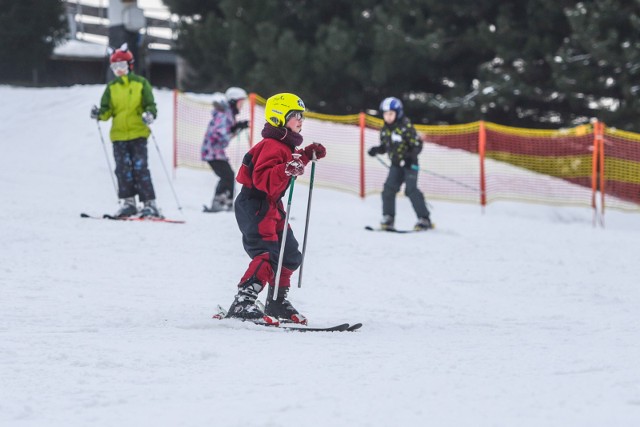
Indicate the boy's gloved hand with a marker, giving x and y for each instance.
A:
(295, 167)
(307, 152)
(95, 112)
(374, 150)
(147, 117)
(411, 162)
(243, 124)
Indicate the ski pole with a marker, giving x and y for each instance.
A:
(284, 241)
(106, 156)
(175, 196)
(446, 178)
(306, 224)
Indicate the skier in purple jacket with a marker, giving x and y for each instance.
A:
(222, 128)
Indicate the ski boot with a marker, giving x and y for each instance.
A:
(281, 308)
(244, 305)
(127, 209)
(387, 222)
(220, 203)
(150, 210)
(423, 224)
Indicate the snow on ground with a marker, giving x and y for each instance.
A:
(525, 315)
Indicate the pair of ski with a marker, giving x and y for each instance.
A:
(395, 230)
(133, 218)
(296, 327)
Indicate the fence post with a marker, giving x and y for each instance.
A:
(595, 169)
(252, 114)
(362, 121)
(601, 171)
(482, 143)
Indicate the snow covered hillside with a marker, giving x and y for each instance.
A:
(522, 316)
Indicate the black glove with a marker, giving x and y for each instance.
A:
(374, 150)
(95, 112)
(411, 162)
(240, 125)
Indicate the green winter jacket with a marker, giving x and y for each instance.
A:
(125, 99)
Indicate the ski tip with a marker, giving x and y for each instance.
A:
(300, 328)
(370, 228)
(354, 327)
(84, 215)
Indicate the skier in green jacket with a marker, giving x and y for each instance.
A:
(128, 100)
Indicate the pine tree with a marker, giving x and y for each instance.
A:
(598, 66)
(537, 63)
(29, 30)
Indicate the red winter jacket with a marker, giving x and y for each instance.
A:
(262, 169)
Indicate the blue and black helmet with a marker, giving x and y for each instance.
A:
(392, 104)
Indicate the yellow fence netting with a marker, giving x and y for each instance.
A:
(476, 162)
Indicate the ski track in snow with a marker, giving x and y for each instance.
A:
(525, 315)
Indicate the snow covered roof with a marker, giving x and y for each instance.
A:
(80, 49)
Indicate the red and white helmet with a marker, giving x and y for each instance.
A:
(122, 54)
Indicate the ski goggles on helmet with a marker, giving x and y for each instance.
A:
(298, 115)
(119, 66)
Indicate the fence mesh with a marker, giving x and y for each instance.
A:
(545, 166)
(621, 152)
(476, 162)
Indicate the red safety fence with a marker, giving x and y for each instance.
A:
(476, 162)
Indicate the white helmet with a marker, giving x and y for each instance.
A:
(219, 100)
(235, 93)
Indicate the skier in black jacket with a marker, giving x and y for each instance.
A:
(399, 139)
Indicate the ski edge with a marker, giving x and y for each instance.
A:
(337, 328)
(343, 327)
(131, 219)
(395, 230)
(390, 230)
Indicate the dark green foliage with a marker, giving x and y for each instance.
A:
(598, 67)
(530, 63)
(29, 30)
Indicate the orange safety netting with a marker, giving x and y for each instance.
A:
(477, 162)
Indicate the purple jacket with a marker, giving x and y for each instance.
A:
(218, 135)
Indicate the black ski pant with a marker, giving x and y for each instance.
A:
(397, 176)
(222, 168)
(132, 169)
(262, 225)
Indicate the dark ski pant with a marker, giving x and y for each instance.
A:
(132, 169)
(222, 168)
(261, 224)
(397, 176)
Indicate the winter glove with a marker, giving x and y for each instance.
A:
(375, 150)
(240, 125)
(411, 162)
(95, 112)
(147, 118)
(307, 152)
(295, 167)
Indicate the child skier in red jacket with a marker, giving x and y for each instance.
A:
(265, 174)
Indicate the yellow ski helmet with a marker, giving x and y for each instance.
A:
(279, 106)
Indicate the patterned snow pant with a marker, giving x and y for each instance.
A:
(261, 224)
(222, 168)
(132, 169)
(397, 176)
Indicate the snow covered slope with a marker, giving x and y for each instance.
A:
(522, 316)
